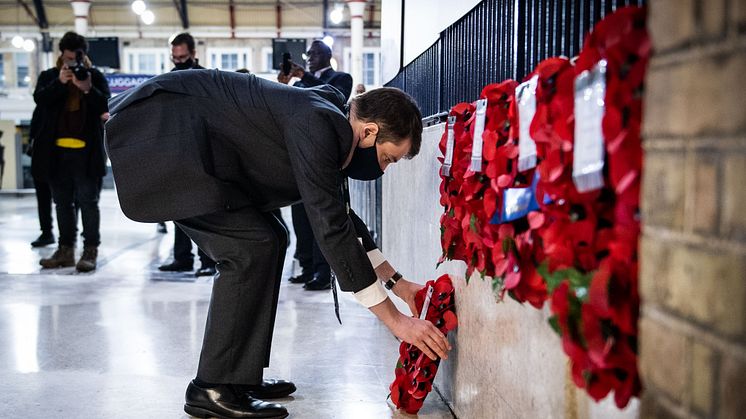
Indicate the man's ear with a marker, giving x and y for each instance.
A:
(371, 128)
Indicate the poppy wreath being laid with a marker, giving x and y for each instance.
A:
(415, 372)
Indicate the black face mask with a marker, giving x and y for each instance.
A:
(364, 164)
(186, 65)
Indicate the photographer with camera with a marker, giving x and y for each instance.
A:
(68, 148)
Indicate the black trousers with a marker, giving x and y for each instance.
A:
(307, 249)
(44, 205)
(183, 250)
(70, 186)
(249, 248)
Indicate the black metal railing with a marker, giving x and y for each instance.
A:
(476, 50)
(495, 41)
(365, 199)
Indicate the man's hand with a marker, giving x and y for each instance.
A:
(284, 78)
(424, 335)
(84, 85)
(406, 290)
(296, 70)
(420, 333)
(65, 75)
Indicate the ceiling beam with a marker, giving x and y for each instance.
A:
(41, 19)
(232, 11)
(181, 8)
(278, 18)
(28, 11)
(41, 14)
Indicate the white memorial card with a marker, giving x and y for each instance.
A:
(526, 98)
(450, 139)
(476, 151)
(426, 303)
(588, 153)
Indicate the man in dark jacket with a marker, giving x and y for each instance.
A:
(184, 57)
(68, 149)
(42, 190)
(245, 147)
(316, 273)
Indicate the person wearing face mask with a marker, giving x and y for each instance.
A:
(183, 55)
(248, 146)
(315, 270)
(68, 148)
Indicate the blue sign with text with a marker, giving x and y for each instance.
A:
(118, 83)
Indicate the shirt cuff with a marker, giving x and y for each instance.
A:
(373, 295)
(376, 258)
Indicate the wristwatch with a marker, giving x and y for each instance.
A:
(392, 281)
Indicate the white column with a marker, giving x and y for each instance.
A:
(357, 8)
(80, 10)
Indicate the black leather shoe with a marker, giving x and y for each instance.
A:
(176, 266)
(318, 283)
(269, 389)
(224, 402)
(44, 240)
(301, 279)
(205, 271)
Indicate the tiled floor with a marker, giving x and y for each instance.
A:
(124, 340)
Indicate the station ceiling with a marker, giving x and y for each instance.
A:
(199, 13)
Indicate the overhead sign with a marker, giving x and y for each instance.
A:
(118, 83)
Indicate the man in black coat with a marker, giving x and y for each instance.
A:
(183, 55)
(68, 149)
(316, 273)
(244, 147)
(42, 190)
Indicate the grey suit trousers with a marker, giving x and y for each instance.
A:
(249, 248)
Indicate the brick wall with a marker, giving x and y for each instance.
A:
(693, 263)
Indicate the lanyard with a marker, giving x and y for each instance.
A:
(345, 192)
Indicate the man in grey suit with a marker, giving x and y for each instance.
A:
(244, 147)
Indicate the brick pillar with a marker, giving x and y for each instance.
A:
(693, 250)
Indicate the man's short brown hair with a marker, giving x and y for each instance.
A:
(396, 114)
(71, 41)
(184, 38)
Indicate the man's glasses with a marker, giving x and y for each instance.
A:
(180, 58)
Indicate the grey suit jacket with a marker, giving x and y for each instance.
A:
(190, 143)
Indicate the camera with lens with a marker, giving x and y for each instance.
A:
(286, 57)
(79, 69)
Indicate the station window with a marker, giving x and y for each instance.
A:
(371, 65)
(229, 59)
(369, 68)
(146, 60)
(146, 64)
(267, 60)
(23, 78)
